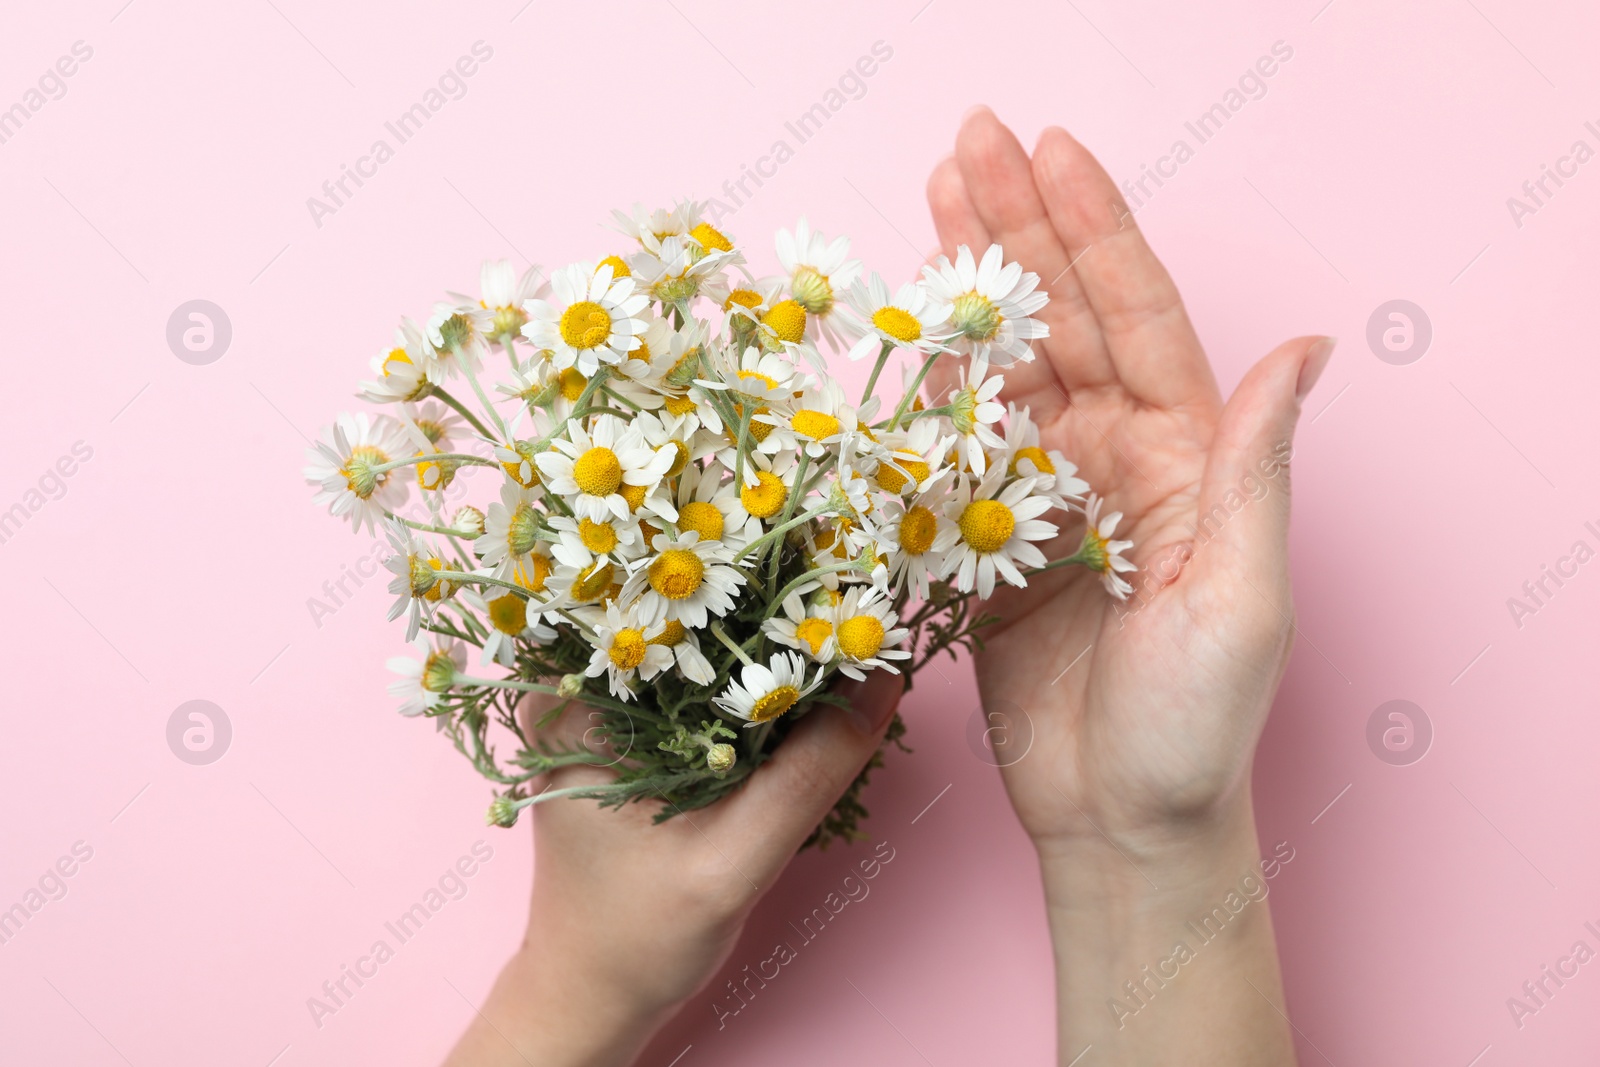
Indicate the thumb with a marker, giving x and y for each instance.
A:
(1242, 526)
(786, 799)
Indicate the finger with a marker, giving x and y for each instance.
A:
(786, 799)
(577, 726)
(1242, 526)
(1151, 342)
(1000, 182)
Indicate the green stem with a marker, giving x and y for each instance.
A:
(916, 384)
(716, 631)
(877, 369)
(483, 398)
(806, 577)
(426, 528)
(441, 457)
(463, 411)
(778, 531)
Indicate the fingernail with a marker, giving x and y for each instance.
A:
(872, 702)
(1312, 368)
(975, 109)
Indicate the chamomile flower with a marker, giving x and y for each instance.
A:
(624, 649)
(402, 370)
(501, 311)
(510, 617)
(349, 473)
(768, 482)
(808, 628)
(684, 644)
(765, 692)
(819, 420)
(1024, 458)
(913, 459)
(423, 683)
(583, 542)
(591, 469)
(866, 633)
(974, 412)
(651, 228)
(417, 588)
(708, 504)
(457, 340)
(989, 304)
(907, 532)
(595, 319)
(510, 531)
(1103, 555)
(819, 274)
(991, 531)
(673, 272)
(683, 579)
(906, 319)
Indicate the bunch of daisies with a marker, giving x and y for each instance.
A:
(641, 490)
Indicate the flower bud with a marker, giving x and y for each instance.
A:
(571, 685)
(721, 758)
(502, 812)
(469, 520)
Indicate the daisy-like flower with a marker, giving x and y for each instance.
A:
(624, 649)
(818, 421)
(348, 474)
(759, 382)
(765, 692)
(906, 319)
(403, 370)
(416, 586)
(991, 530)
(819, 274)
(585, 542)
(423, 683)
(807, 628)
(510, 616)
(866, 633)
(974, 411)
(456, 338)
(906, 534)
(768, 481)
(590, 470)
(511, 532)
(913, 458)
(674, 270)
(684, 579)
(501, 310)
(651, 228)
(1024, 458)
(1102, 554)
(596, 318)
(990, 306)
(684, 644)
(709, 506)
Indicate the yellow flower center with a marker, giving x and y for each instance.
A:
(396, 355)
(598, 472)
(917, 529)
(671, 634)
(1036, 456)
(747, 298)
(774, 703)
(522, 532)
(710, 238)
(509, 614)
(592, 583)
(597, 537)
(677, 573)
(814, 632)
(893, 481)
(619, 269)
(812, 290)
(634, 495)
(435, 474)
(986, 525)
(679, 405)
(514, 470)
(816, 425)
(901, 325)
(627, 649)
(532, 573)
(787, 320)
(861, 637)
(680, 459)
(572, 384)
(765, 498)
(585, 325)
(704, 519)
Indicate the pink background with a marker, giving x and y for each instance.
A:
(179, 562)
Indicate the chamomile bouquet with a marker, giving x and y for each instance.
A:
(679, 518)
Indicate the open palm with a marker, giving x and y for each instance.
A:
(1143, 714)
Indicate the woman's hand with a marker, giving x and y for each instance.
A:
(1144, 714)
(628, 919)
